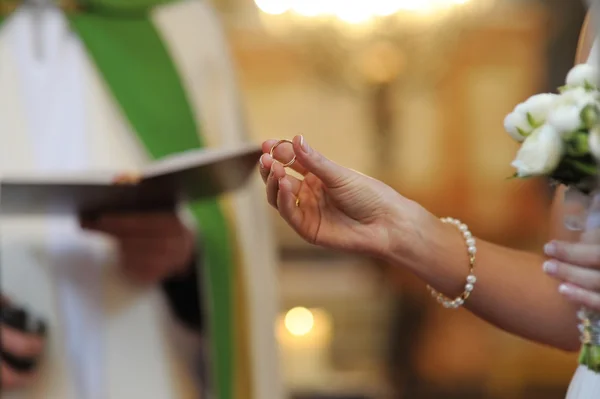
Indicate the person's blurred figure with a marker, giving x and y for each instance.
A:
(110, 85)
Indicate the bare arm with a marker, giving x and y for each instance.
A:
(512, 292)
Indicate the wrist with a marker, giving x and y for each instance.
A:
(409, 227)
(423, 244)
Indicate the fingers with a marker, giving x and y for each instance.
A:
(581, 254)
(286, 202)
(266, 161)
(148, 267)
(276, 174)
(585, 278)
(20, 344)
(580, 296)
(148, 260)
(330, 173)
(12, 379)
(307, 160)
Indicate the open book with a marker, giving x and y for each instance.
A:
(189, 176)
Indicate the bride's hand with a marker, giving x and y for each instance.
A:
(577, 265)
(336, 207)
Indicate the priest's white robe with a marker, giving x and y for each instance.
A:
(108, 339)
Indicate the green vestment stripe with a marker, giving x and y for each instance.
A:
(137, 68)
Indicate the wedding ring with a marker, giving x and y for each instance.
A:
(280, 142)
(297, 202)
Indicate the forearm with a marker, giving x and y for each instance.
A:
(511, 292)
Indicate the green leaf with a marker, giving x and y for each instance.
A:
(564, 88)
(590, 115)
(582, 167)
(594, 358)
(522, 132)
(584, 354)
(578, 144)
(535, 124)
(589, 87)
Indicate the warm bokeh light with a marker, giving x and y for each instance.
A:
(356, 11)
(274, 7)
(299, 321)
(309, 8)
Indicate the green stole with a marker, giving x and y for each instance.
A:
(136, 66)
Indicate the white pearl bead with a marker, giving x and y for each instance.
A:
(471, 279)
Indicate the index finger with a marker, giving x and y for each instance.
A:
(11, 379)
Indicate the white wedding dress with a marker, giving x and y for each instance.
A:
(586, 383)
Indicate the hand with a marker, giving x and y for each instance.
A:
(154, 246)
(577, 265)
(337, 207)
(20, 347)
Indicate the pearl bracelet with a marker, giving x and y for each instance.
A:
(471, 279)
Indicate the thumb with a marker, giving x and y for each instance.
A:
(330, 173)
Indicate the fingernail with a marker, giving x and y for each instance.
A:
(565, 289)
(260, 162)
(304, 145)
(550, 267)
(550, 249)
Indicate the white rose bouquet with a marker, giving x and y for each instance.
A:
(560, 139)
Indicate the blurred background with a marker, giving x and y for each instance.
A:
(413, 92)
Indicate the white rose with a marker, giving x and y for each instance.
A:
(517, 126)
(540, 153)
(528, 116)
(577, 96)
(594, 142)
(538, 107)
(565, 119)
(584, 75)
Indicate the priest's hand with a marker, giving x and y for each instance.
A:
(154, 246)
(336, 207)
(22, 343)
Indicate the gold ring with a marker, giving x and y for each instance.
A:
(297, 202)
(280, 142)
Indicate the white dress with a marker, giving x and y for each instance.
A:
(585, 383)
(108, 339)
